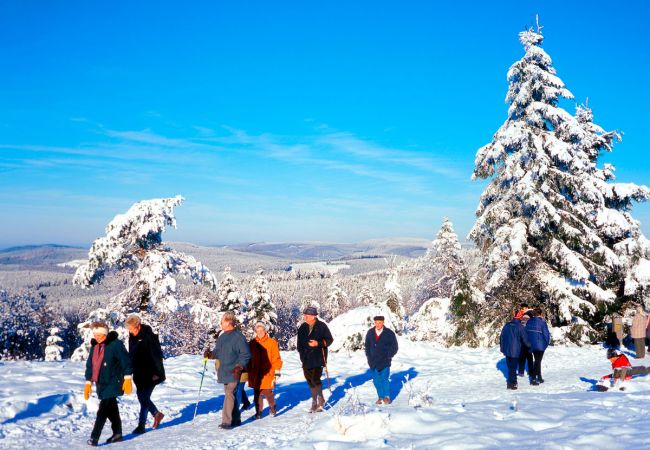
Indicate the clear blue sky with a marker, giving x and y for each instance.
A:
(281, 121)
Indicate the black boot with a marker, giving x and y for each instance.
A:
(115, 438)
(92, 442)
(139, 429)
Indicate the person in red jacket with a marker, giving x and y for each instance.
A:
(622, 368)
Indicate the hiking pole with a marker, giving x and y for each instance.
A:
(327, 373)
(205, 364)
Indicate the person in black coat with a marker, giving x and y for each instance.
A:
(381, 346)
(313, 339)
(513, 338)
(148, 370)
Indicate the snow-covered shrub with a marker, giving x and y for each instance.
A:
(418, 396)
(336, 301)
(349, 329)
(393, 296)
(432, 322)
(113, 319)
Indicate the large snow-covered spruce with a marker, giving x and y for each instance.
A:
(553, 228)
(260, 307)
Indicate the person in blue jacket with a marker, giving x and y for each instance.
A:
(539, 338)
(513, 337)
(381, 346)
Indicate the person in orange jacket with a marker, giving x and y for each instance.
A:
(263, 369)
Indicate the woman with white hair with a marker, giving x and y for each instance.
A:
(263, 369)
(109, 367)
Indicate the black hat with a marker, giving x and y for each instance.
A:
(379, 318)
(311, 311)
(612, 353)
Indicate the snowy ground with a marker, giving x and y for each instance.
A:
(41, 406)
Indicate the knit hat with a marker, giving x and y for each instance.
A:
(379, 318)
(612, 353)
(310, 311)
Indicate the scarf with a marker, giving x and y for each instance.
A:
(98, 359)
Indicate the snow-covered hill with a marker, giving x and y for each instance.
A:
(456, 398)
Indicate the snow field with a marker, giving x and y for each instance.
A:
(453, 399)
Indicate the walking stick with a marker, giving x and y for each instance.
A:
(205, 363)
(327, 373)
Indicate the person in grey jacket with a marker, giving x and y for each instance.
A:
(233, 354)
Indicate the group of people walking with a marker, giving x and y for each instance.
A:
(113, 370)
(523, 341)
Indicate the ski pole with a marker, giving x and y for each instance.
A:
(205, 363)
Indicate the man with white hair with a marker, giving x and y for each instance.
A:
(148, 370)
(109, 367)
(233, 354)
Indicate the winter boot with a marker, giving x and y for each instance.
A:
(115, 438)
(314, 399)
(512, 386)
(321, 399)
(92, 442)
(379, 402)
(534, 382)
(139, 429)
(157, 419)
(387, 401)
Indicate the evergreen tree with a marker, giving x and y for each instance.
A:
(365, 297)
(393, 296)
(228, 295)
(52, 348)
(551, 228)
(336, 301)
(464, 310)
(133, 246)
(441, 264)
(261, 308)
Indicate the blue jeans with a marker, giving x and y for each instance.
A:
(146, 405)
(380, 380)
(512, 364)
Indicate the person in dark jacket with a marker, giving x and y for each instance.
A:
(513, 338)
(148, 370)
(381, 346)
(233, 354)
(313, 339)
(109, 367)
(524, 313)
(539, 338)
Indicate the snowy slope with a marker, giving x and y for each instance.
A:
(461, 395)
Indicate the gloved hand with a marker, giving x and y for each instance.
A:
(88, 389)
(208, 354)
(244, 377)
(236, 371)
(127, 386)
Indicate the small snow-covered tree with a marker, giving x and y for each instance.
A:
(228, 294)
(260, 308)
(365, 297)
(336, 301)
(24, 319)
(465, 313)
(133, 246)
(551, 228)
(441, 264)
(52, 348)
(393, 300)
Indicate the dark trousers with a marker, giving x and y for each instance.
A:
(512, 363)
(313, 376)
(108, 409)
(525, 356)
(536, 372)
(146, 405)
(258, 395)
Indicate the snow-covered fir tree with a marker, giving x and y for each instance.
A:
(133, 246)
(260, 307)
(52, 348)
(393, 300)
(441, 264)
(464, 312)
(552, 229)
(24, 320)
(229, 297)
(336, 301)
(366, 298)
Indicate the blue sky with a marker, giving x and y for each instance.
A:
(285, 121)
